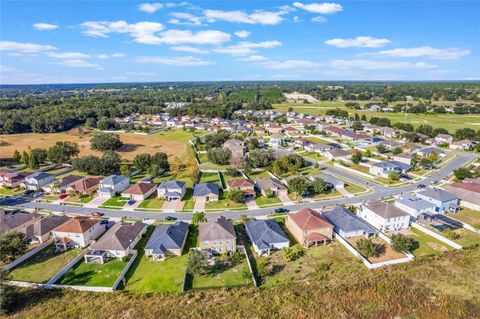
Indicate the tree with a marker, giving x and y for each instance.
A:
(394, 176)
(218, 155)
(357, 125)
(370, 249)
(197, 263)
(62, 152)
(288, 164)
(450, 234)
(252, 144)
(105, 141)
(25, 157)
(259, 159)
(357, 157)
(7, 293)
(233, 172)
(298, 185)
(159, 162)
(217, 139)
(382, 149)
(462, 173)
(12, 245)
(142, 161)
(396, 151)
(17, 157)
(37, 157)
(105, 123)
(319, 186)
(403, 243)
(236, 195)
(465, 134)
(293, 253)
(199, 217)
(110, 162)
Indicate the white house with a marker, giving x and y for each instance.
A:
(266, 235)
(37, 180)
(415, 206)
(443, 139)
(113, 184)
(79, 231)
(172, 190)
(384, 169)
(463, 145)
(384, 216)
(444, 201)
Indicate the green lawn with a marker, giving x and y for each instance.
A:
(166, 176)
(224, 203)
(90, 274)
(360, 168)
(49, 198)
(79, 199)
(153, 202)
(428, 244)
(43, 265)
(210, 178)
(354, 188)
(317, 140)
(467, 237)
(10, 191)
(468, 216)
(331, 194)
(313, 156)
(174, 135)
(159, 276)
(139, 177)
(267, 201)
(260, 174)
(230, 278)
(188, 199)
(116, 201)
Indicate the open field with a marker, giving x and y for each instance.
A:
(172, 142)
(468, 216)
(43, 265)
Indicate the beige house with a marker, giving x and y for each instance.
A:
(236, 148)
(218, 236)
(78, 231)
(19, 221)
(309, 227)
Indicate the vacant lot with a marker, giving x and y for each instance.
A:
(468, 216)
(230, 278)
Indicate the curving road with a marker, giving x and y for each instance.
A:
(379, 191)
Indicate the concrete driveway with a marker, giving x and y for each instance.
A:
(95, 202)
(285, 199)
(251, 203)
(173, 206)
(199, 205)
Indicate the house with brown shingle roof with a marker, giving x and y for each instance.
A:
(139, 191)
(309, 227)
(78, 231)
(217, 235)
(469, 194)
(42, 230)
(86, 186)
(244, 185)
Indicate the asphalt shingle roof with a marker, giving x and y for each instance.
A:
(167, 237)
(346, 221)
(205, 189)
(264, 233)
(119, 237)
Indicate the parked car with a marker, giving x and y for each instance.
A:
(62, 196)
(28, 192)
(281, 210)
(421, 186)
(131, 202)
(97, 214)
(170, 218)
(37, 194)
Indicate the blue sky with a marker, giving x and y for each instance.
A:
(121, 41)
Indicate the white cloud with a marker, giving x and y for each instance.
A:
(290, 65)
(213, 37)
(186, 48)
(41, 26)
(69, 55)
(150, 7)
(78, 63)
(177, 61)
(379, 65)
(451, 53)
(238, 16)
(254, 58)
(362, 41)
(319, 19)
(25, 47)
(105, 56)
(183, 18)
(322, 8)
(246, 48)
(243, 34)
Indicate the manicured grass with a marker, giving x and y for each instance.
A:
(117, 201)
(43, 265)
(166, 176)
(49, 198)
(354, 188)
(267, 201)
(210, 178)
(90, 274)
(159, 276)
(139, 177)
(259, 174)
(189, 202)
(309, 171)
(360, 168)
(428, 244)
(153, 202)
(79, 199)
(331, 194)
(317, 140)
(10, 191)
(313, 156)
(224, 203)
(468, 216)
(230, 278)
(174, 135)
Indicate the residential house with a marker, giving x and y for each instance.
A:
(62, 184)
(391, 145)
(443, 139)
(417, 207)
(113, 184)
(42, 230)
(403, 157)
(271, 185)
(167, 240)
(139, 191)
(347, 224)
(259, 130)
(265, 236)
(309, 227)
(384, 216)
(427, 151)
(217, 235)
(274, 129)
(18, 221)
(384, 169)
(244, 185)
(119, 241)
(318, 148)
(277, 140)
(302, 142)
(172, 190)
(463, 145)
(11, 178)
(469, 194)
(337, 154)
(444, 201)
(37, 180)
(291, 131)
(86, 186)
(236, 148)
(330, 180)
(208, 192)
(78, 231)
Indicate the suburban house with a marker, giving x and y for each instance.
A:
(273, 185)
(302, 143)
(443, 139)
(37, 180)
(78, 231)
(62, 184)
(415, 206)
(266, 235)
(463, 145)
(42, 229)
(172, 190)
(444, 201)
(384, 169)
(236, 148)
(391, 145)
(469, 194)
(317, 147)
(86, 186)
(384, 216)
(277, 140)
(347, 224)
(331, 181)
(113, 184)
(206, 191)
(274, 129)
(217, 235)
(244, 185)
(18, 221)
(309, 227)
(140, 191)
(166, 240)
(12, 178)
(403, 157)
(118, 242)
(337, 154)
(427, 151)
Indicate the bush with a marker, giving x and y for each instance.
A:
(370, 249)
(402, 243)
(450, 234)
(293, 253)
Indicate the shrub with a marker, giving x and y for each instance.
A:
(402, 243)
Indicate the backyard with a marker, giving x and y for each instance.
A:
(427, 244)
(91, 274)
(43, 265)
(468, 216)
(236, 276)
(210, 178)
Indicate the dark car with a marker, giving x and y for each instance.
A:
(131, 202)
(281, 210)
(170, 218)
(421, 186)
(28, 192)
(97, 214)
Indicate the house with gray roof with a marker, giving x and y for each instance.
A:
(384, 216)
(37, 180)
(172, 190)
(113, 184)
(331, 181)
(271, 184)
(347, 224)
(217, 235)
(62, 184)
(42, 230)
(443, 200)
(117, 242)
(384, 169)
(18, 221)
(427, 151)
(167, 240)
(206, 191)
(415, 206)
(266, 235)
